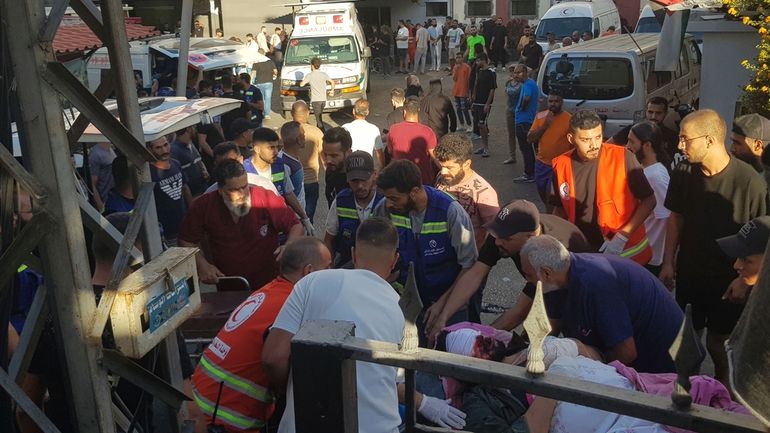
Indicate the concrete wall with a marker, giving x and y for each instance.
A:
(725, 45)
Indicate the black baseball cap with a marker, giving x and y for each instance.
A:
(751, 239)
(359, 165)
(752, 126)
(241, 125)
(516, 217)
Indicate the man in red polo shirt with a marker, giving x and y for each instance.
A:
(241, 223)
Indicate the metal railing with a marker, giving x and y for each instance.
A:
(324, 379)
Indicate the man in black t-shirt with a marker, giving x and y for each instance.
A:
(336, 147)
(533, 56)
(172, 196)
(263, 75)
(710, 196)
(498, 43)
(518, 221)
(482, 95)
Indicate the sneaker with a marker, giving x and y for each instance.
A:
(524, 179)
(509, 161)
(478, 151)
(485, 153)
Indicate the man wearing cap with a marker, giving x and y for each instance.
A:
(751, 133)
(241, 130)
(747, 247)
(612, 304)
(711, 195)
(518, 221)
(351, 206)
(435, 233)
(266, 163)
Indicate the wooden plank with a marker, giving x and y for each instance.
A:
(95, 222)
(81, 122)
(120, 265)
(63, 251)
(58, 10)
(61, 80)
(688, 354)
(411, 405)
(30, 335)
(319, 394)
(27, 240)
(28, 182)
(89, 13)
(324, 340)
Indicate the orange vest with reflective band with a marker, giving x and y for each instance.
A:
(615, 203)
(234, 358)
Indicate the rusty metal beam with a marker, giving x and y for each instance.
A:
(58, 10)
(27, 405)
(30, 335)
(81, 122)
(89, 13)
(28, 182)
(95, 222)
(26, 241)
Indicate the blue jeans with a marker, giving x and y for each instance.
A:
(267, 95)
(526, 148)
(311, 199)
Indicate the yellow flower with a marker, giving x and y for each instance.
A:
(765, 89)
(745, 63)
(762, 31)
(767, 19)
(732, 11)
(749, 87)
(746, 21)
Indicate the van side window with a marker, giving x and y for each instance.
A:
(656, 79)
(684, 64)
(597, 28)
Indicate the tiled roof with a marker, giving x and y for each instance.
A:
(78, 37)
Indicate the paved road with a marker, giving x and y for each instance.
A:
(504, 283)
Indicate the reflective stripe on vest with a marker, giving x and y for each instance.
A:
(615, 203)
(227, 415)
(344, 212)
(401, 221)
(431, 228)
(234, 381)
(278, 177)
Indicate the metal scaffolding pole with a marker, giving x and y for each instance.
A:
(63, 250)
(184, 47)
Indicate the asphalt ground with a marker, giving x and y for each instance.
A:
(505, 283)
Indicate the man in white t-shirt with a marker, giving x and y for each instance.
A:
(366, 136)
(454, 37)
(402, 44)
(361, 296)
(318, 93)
(262, 40)
(422, 39)
(645, 140)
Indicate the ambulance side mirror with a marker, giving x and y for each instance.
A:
(367, 52)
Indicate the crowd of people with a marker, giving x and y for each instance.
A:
(634, 227)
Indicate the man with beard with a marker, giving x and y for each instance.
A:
(266, 163)
(336, 147)
(710, 196)
(473, 192)
(751, 134)
(601, 188)
(351, 206)
(471, 41)
(656, 112)
(613, 304)
(532, 55)
(548, 134)
(498, 43)
(435, 233)
(518, 221)
(172, 196)
(645, 142)
(241, 224)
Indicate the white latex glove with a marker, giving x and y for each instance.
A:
(309, 229)
(614, 246)
(441, 412)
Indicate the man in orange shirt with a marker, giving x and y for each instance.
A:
(548, 134)
(234, 358)
(460, 74)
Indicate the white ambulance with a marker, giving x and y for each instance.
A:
(331, 32)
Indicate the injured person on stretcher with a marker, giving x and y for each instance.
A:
(498, 410)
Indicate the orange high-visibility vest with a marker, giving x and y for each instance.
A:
(235, 358)
(615, 202)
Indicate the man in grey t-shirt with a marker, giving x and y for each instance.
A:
(100, 163)
(318, 81)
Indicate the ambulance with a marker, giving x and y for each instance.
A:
(330, 31)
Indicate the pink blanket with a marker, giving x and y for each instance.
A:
(705, 390)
